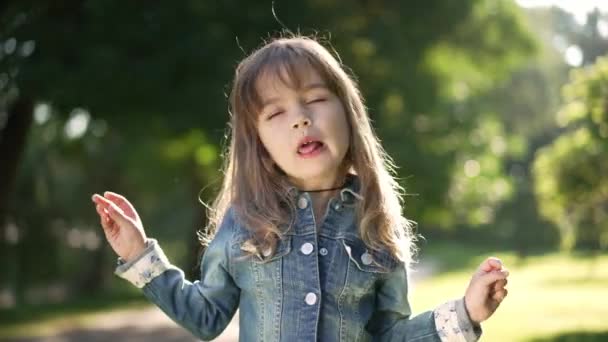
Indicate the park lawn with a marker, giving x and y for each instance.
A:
(48, 320)
(552, 297)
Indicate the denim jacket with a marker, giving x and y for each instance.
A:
(320, 285)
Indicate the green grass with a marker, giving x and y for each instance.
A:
(47, 319)
(552, 297)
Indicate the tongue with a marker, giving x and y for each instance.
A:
(309, 147)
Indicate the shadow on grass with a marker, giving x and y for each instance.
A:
(118, 335)
(575, 336)
(36, 313)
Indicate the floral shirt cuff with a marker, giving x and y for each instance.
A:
(453, 323)
(148, 265)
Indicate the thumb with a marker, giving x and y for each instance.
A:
(119, 216)
(492, 277)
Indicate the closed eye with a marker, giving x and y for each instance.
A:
(271, 116)
(320, 99)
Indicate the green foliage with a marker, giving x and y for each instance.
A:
(136, 96)
(570, 173)
(435, 120)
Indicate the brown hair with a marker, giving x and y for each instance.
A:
(258, 190)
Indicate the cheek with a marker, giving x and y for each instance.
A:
(273, 140)
(341, 128)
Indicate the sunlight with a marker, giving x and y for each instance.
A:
(42, 113)
(77, 124)
(574, 56)
(578, 8)
(472, 168)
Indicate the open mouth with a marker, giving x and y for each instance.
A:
(310, 147)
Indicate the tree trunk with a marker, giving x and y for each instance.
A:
(13, 138)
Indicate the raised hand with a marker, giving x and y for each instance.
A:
(121, 224)
(486, 290)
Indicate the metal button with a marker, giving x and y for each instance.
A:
(302, 202)
(366, 258)
(338, 206)
(323, 251)
(307, 248)
(266, 252)
(311, 298)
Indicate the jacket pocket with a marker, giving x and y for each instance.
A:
(282, 249)
(244, 252)
(368, 260)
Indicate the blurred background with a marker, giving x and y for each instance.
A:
(495, 111)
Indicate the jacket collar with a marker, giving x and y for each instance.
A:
(348, 194)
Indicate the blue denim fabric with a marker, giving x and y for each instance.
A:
(321, 284)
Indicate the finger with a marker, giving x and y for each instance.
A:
(500, 284)
(105, 223)
(121, 201)
(102, 201)
(495, 263)
(499, 296)
(97, 198)
(118, 215)
(490, 264)
(489, 278)
(101, 210)
(103, 214)
(107, 205)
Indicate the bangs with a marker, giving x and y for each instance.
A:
(287, 64)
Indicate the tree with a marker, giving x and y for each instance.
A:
(135, 102)
(570, 181)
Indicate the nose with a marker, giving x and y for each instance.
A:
(302, 121)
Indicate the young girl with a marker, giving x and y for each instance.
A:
(310, 242)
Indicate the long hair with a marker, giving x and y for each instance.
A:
(258, 191)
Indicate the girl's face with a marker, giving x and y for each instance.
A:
(304, 129)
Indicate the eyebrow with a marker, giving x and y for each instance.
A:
(307, 87)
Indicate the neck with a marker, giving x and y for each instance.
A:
(320, 184)
(322, 197)
(319, 203)
(328, 187)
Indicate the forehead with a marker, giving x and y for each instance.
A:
(275, 80)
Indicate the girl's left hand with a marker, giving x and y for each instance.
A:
(486, 290)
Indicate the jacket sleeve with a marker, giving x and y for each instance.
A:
(203, 307)
(392, 319)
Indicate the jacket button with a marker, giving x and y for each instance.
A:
(366, 258)
(267, 252)
(323, 251)
(311, 298)
(302, 202)
(307, 248)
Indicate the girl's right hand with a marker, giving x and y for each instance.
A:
(121, 224)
